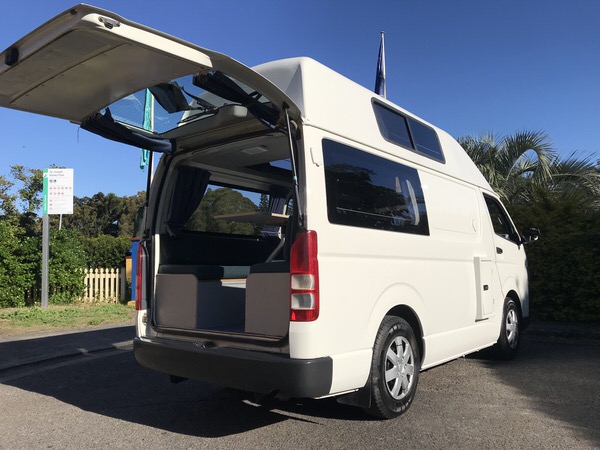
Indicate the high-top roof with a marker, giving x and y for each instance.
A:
(334, 103)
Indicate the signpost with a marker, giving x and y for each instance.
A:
(57, 199)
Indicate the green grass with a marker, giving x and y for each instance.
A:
(18, 320)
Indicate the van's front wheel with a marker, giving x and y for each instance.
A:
(394, 369)
(509, 341)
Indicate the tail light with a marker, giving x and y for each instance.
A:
(139, 279)
(304, 278)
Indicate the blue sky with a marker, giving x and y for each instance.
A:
(468, 66)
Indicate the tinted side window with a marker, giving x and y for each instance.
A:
(408, 133)
(366, 191)
(426, 140)
(393, 126)
(500, 221)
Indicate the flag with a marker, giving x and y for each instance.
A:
(380, 76)
(147, 124)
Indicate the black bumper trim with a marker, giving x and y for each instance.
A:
(247, 370)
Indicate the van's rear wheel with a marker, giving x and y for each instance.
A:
(394, 369)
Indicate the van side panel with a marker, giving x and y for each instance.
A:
(364, 273)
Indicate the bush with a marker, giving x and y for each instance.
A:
(67, 260)
(16, 275)
(106, 251)
(564, 265)
(65, 265)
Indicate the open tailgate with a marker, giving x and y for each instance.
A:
(87, 58)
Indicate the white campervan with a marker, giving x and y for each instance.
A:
(303, 236)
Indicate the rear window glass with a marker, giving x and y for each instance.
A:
(408, 133)
(168, 106)
(222, 210)
(229, 210)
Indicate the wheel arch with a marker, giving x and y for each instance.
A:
(400, 300)
(512, 294)
(407, 313)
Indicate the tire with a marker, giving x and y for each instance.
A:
(509, 341)
(395, 354)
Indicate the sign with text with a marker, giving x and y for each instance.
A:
(58, 191)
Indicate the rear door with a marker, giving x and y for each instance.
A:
(87, 58)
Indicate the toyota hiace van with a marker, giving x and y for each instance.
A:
(303, 236)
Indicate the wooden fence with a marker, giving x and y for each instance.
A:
(100, 285)
(104, 285)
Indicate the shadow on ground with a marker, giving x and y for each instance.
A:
(111, 383)
(560, 379)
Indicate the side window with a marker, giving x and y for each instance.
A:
(393, 127)
(367, 191)
(502, 225)
(426, 140)
(408, 133)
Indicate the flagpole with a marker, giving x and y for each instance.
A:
(380, 87)
(383, 63)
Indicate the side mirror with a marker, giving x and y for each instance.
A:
(530, 234)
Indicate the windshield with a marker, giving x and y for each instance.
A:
(166, 106)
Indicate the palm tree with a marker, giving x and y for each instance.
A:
(512, 163)
(578, 181)
(525, 165)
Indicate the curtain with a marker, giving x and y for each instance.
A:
(190, 187)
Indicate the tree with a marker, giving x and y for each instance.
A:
(29, 197)
(131, 207)
(67, 260)
(8, 208)
(564, 264)
(524, 167)
(512, 164)
(576, 181)
(102, 215)
(32, 181)
(218, 202)
(105, 214)
(16, 273)
(106, 251)
(96, 215)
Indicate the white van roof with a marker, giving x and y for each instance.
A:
(334, 103)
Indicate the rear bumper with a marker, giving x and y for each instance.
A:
(240, 369)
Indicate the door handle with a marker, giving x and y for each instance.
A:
(499, 250)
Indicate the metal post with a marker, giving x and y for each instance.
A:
(45, 257)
